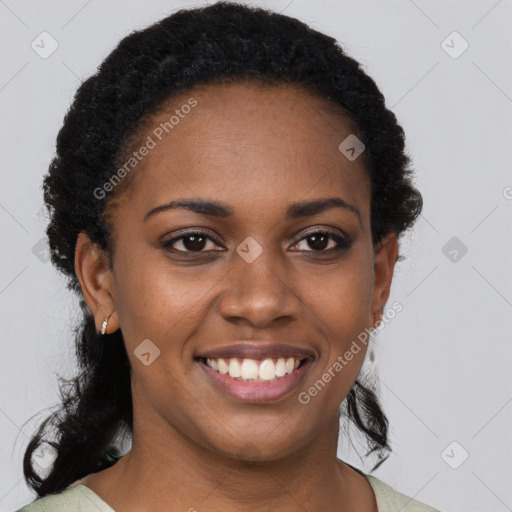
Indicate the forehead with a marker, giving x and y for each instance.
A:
(246, 142)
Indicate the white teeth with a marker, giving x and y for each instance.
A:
(223, 366)
(250, 370)
(267, 370)
(213, 364)
(234, 368)
(280, 368)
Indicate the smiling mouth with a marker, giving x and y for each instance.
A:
(254, 370)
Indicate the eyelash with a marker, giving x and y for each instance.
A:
(343, 243)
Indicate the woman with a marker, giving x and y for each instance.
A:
(226, 200)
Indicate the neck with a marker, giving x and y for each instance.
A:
(188, 476)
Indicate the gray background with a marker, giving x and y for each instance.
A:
(444, 361)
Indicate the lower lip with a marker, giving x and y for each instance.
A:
(256, 392)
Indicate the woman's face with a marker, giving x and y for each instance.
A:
(258, 274)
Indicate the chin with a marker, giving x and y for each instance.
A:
(258, 450)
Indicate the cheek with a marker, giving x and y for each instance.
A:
(344, 311)
(153, 305)
(158, 304)
(343, 297)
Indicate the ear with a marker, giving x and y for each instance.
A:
(386, 253)
(97, 282)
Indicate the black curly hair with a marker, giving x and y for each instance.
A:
(220, 43)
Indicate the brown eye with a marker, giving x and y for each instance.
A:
(194, 241)
(319, 241)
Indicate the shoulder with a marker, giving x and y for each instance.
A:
(389, 500)
(74, 498)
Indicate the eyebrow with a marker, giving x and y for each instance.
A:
(222, 210)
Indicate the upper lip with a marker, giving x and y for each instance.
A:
(257, 350)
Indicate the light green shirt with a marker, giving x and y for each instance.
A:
(79, 498)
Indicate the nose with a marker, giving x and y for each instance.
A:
(259, 293)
